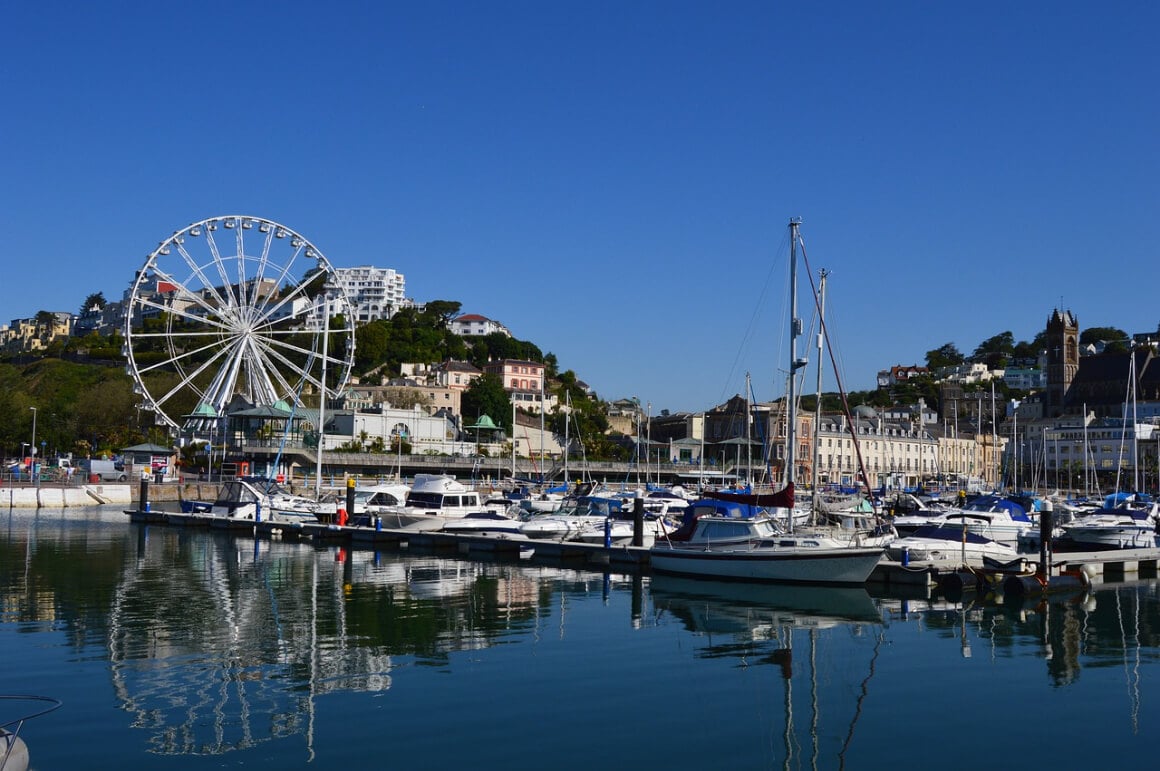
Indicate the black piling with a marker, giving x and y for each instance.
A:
(143, 497)
(1046, 526)
(638, 521)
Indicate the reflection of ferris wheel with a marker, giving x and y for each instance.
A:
(235, 307)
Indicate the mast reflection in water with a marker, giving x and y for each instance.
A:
(184, 648)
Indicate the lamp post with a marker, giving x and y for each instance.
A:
(32, 449)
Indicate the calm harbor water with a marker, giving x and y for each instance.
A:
(195, 650)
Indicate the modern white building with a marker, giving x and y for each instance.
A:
(376, 293)
(376, 429)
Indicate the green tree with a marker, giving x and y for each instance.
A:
(371, 345)
(486, 396)
(94, 300)
(946, 355)
(996, 351)
(1031, 350)
(441, 312)
(1115, 340)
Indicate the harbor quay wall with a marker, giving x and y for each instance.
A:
(73, 496)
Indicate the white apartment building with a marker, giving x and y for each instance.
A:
(898, 453)
(376, 293)
(1071, 451)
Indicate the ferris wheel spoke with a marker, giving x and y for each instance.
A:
(267, 311)
(291, 348)
(270, 373)
(188, 380)
(225, 381)
(232, 301)
(177, 357)
(144, 302)
(258, 380)
(329, 360)
(206, 284)
(240, 259)
(268, 368)
(256, 297)
(304, 369)
(264, 311)
(180, 334)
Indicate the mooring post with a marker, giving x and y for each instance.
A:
(638, 519)
(350, 499)
(143, 496)
(1046, 527)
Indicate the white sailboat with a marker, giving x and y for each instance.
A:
(758, 548)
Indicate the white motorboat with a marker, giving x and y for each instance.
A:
(1125, 527)
(489, 522)
(370, 501)
(433, 501)
(620, 528)
(990, 516)
(573, 518)
(950, 544)
(253, 498)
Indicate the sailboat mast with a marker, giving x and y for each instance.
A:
(818, 386)
(748, 413)
(795, 330)
(567, 420)
(1135, 423)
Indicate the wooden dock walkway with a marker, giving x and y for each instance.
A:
(1069, 569)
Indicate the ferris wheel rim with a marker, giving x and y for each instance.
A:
(242, 314)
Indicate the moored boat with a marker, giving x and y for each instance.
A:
(1125, 527)
(433, 501)
(950, 544)
(756, 548)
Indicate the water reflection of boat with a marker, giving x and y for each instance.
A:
(763, 624)
(718, 605)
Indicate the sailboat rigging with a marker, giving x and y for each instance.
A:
(759, 547)
(824, 336)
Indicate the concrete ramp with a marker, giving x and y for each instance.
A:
(97, 496)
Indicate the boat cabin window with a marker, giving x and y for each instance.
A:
(724, 530)
(425, 500)
(764, 529)
(377, 499)
(237, 493)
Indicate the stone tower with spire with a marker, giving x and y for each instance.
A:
(1062, 359)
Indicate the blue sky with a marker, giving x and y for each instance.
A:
(612, 180)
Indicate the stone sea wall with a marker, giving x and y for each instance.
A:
(57, 496)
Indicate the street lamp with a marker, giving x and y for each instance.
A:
(32, 449)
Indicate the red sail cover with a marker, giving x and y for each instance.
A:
(783, 499)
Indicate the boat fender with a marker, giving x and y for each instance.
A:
(13, 751)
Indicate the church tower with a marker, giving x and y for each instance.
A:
(1062, 359)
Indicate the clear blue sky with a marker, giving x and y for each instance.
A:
(611, 180)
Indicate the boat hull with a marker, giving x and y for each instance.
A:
(1107, 538)
(843, 566)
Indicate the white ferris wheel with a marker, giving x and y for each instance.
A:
(236, 306)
